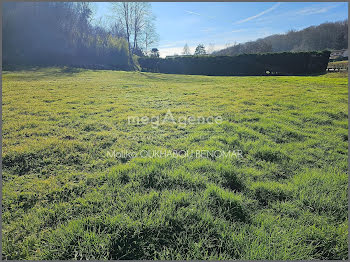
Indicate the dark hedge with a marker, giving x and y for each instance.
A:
(286, 63)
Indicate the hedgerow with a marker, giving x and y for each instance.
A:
(286, 63)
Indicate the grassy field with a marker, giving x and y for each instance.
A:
(338, 64)
(64, 197)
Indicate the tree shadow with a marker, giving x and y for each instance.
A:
(32, 73)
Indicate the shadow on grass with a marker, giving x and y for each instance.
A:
(34, 73)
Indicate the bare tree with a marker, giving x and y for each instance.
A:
(149, 36)
(123, 11)
(137, 20)
(117, 29)
(141, 14)
(186, 50)
(211, 48)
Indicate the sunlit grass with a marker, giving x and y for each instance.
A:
(63, 198)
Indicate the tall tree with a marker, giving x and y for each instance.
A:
(124, 14)
(137, 21)
(200, 50)
(140, 16)
(211, 48)
(149, 37)
(154, 52)
(58, 33)
(186, 50)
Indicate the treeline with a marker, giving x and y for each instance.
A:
(286, 63)
(59, 33)
(331, 36)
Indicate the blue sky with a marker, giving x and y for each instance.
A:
(222, 23)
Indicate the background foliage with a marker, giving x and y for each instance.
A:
(314, 38)
(55, 33)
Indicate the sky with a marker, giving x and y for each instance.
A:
(220, 24)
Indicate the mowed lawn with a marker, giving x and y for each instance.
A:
(65, 198)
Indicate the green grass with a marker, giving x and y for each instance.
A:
(63, 198)
(339, 65)
(343, 63)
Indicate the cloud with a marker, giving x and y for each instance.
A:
(295, 14)
(258, 15)
(170, 51)
(207, 29)
(315, 10)
(238, 30)
(192, 13)
(167, 44)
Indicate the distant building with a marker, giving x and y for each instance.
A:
(339, 53)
